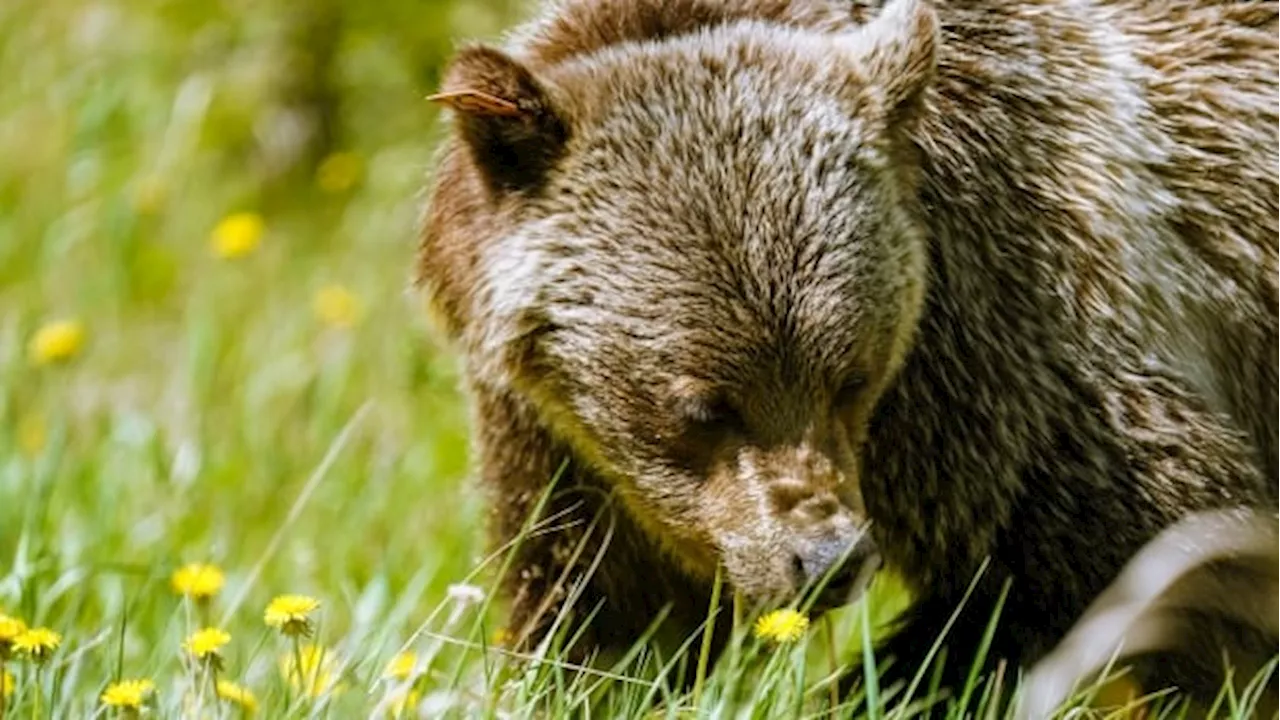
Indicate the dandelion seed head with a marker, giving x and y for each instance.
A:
(55, 342)
(781, 626)
(465, 594)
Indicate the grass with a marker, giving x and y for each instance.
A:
(277, 410)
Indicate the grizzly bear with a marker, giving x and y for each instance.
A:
(778, 291)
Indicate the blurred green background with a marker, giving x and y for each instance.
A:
(207, 389)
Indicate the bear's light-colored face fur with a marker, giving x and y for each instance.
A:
(705, 297)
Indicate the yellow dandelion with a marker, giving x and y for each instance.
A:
(198, 581)
(402, 666)
(402, 701)
(37, 643)
(207, 643)
(32, 434)
(237, 235)
(6, 684)
(238, 695)
(56, 341)
(337, 306)
(1117, 691)
(338, 172)
(10, 628)
(781, 625)
(148, 196)
(318, 675)
(128, 694)
(501, 636)
(291, 614)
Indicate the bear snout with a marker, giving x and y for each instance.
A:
(838, 569)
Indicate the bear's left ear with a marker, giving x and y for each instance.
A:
(505, 116)
(897, 51)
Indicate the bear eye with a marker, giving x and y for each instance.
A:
(850, 390)
(706, 422)
(716, 413)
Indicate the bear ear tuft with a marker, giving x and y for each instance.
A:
(505, 116)
(898, 50)
(476, 102)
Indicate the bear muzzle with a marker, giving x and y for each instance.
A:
(836, 569)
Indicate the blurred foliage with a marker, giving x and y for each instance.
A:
(207, 385)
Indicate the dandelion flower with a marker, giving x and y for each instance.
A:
(56, 341)
(310, 669)
(37, 643)
(6, 684)
(336, 306)
(501, 636)
(402, 701)
(128, 694)
(1117, 691)
(338, 172)
(148, 196)
(237, 695)
(198, 581)
(237, 235)
(32, 435)
(402, 666)
(10, 629)
(781, 626)
(291, 614)
(206, 644)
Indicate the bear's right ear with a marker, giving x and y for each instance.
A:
(898, 50)
(505, 116)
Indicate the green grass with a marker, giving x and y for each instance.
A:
(211, 416)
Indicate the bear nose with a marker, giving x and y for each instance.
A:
(847, 565)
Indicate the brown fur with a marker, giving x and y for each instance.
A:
(998, 279)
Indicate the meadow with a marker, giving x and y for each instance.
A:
(217, 388)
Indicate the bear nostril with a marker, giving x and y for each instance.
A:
(838, 584)
(843, 577)
(822, 556)
(799, 572)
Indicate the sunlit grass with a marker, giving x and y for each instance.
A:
(182, 341)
